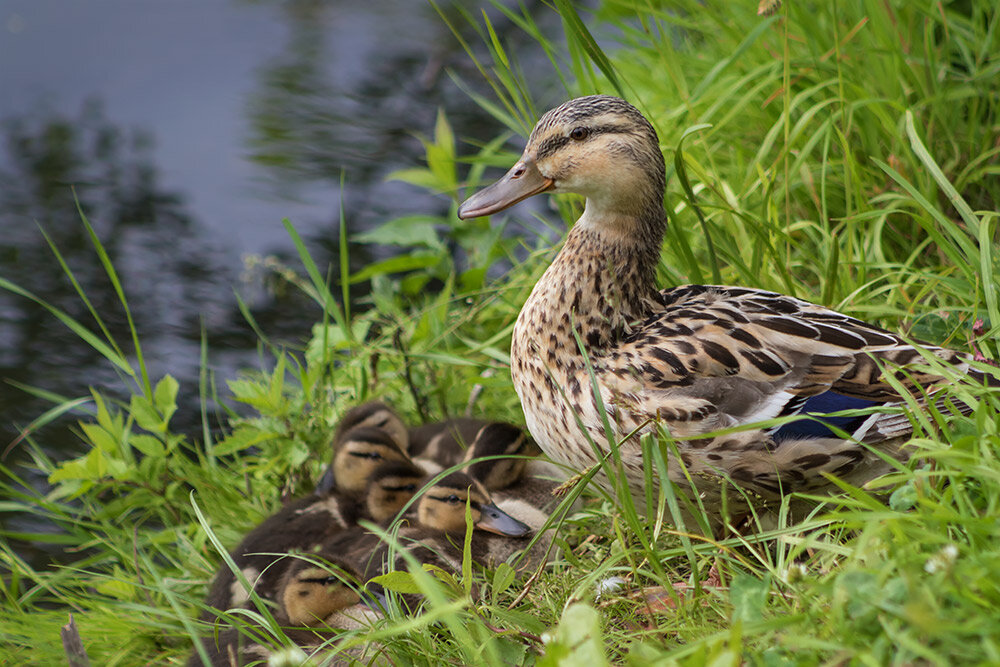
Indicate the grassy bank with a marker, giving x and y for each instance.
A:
(845, 153)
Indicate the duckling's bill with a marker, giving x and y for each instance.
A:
(522, 181)
(494, 520)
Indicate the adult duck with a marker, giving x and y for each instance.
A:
(697, 358)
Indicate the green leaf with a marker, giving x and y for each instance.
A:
(422, 178)
(577, 639)
(412, 262)
(165, 397)
(242, 438)
(147, 444)
(398, 581)
(120, 590)
(503, 577)
(100, 438)
(409, 230)
(145, 414)
(748, 596)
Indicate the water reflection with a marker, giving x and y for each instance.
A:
(341, 92)
(147, 232)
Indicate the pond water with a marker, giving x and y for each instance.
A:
(187, 130)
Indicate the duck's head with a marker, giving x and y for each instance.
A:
(309, 593)
(442, 507)
(499, 439)
(360, 451)
(392, 485)
(598, 146)
(374, 414)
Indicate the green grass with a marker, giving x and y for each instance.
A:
(842, 152)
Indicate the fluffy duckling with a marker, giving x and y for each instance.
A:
(499, 439)
(375, 414)
(356, 453)
(444, 442)
(693, 359)
(313, 595)
(310, 595)
(520, 487)
(434, 446)
(440, 516)
(373, 477)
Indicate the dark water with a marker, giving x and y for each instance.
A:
(188, 129)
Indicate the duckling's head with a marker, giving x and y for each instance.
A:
(442, 507)
(375, 414)
(309, 593)
(499, 439)
(598, 146)
(392, 485)
(361, 450)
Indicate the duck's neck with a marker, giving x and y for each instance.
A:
(603, 280)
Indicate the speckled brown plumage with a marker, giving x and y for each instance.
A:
(693, 359)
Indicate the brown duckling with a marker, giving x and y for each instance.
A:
(436, 529)
(499, 439)
(521, 487)
(308, 521)
(375, 414)
(321, 590)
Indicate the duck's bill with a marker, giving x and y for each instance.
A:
(495, 520)
(522, 181)
(327, 483)
(373, 597)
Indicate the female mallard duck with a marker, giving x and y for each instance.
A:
(696, 358)
(374, 480)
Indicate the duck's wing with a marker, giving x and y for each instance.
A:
(713, 357)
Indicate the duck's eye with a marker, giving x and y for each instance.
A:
(453, 499)
(410, 487)
(579, 133)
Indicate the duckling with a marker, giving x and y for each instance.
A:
(434, 446)
(361, 458)
(494, 439)
(355, 453)
(692, 359)
(521, 487)
(375, 414)
(231, 648)
(439, 521)
(308, 595)
(313, 595)
(443, 444)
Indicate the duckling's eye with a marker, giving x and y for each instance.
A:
(579, 133)
(453, 499)
(410, 487)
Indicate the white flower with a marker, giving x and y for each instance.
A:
(942, 560)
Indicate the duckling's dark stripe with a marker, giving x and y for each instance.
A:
(472, 503)
(553, 144)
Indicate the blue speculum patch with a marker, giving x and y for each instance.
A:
(819, 426)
